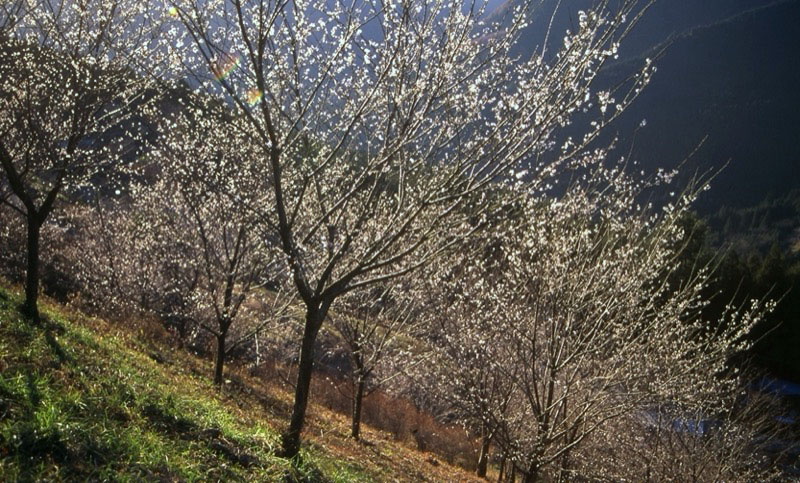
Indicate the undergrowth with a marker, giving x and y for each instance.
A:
(83, 401)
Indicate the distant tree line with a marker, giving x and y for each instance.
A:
(761, 263)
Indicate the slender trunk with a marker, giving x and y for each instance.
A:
(502, 468)
(30, 308)
(358, 397)
(563, 473)
(290, 439)
(483, 458)
(533, 474)
(218, 367)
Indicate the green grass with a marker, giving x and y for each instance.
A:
(82, 400)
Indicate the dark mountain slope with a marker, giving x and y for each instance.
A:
(730, 72)
(736, 83)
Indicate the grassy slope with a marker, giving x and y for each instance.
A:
(83, 399)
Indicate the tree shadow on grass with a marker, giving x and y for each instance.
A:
(61, 355)
(302, 471)
(31, 443)
(230, 449)
(178, 427)
(34, 396)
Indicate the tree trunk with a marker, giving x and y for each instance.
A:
(290, 439)
(563, 473)
(483, 458)
(533, 474)
(358, 397)
(31, 308)
(502, 468)
(220, 362)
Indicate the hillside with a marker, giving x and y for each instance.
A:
(732, 82)
(82, 399)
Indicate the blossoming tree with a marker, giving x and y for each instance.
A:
(571, 319)
(383, 125)
(67, 87)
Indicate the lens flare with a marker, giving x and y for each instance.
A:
(224, 66)
(253, 96)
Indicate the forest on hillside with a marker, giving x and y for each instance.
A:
(391, 196)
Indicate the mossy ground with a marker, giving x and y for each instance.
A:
(83, 399)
